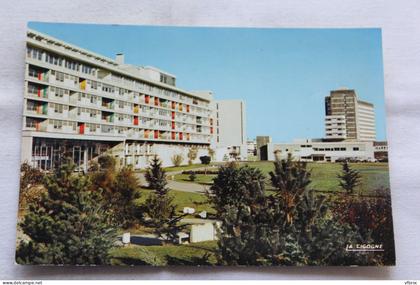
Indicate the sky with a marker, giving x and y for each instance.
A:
(282, 75)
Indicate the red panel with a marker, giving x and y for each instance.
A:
(173, 125)
(180, 136)
(156, 101)
(39, 92)
(39, 75)
(82, 128)
(173, 115)
(156, 134)
(136, 120)
(173, 135)
(147, 99)
(188, 108)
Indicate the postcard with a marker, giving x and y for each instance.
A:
(160, 146)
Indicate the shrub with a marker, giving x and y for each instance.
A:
(192, 176)
(68, 225)
(205, 159)
(177, 159)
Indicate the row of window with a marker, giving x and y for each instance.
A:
(87, 69)
(55, 59)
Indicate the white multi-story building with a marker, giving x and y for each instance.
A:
(348, 118)
(84, 104)
(230, 130)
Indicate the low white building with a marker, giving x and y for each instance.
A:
(319, 150)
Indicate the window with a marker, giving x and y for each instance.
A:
(30, 123)
(72, 65)
(31, 106)
(355, 148)
(59, 76)
(94, 85)
(34, 53)
(58, 108)
(87, 69)
(53, 59)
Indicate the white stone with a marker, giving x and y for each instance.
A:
(126, 238)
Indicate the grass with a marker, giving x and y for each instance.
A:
(201, 253)
(183, 167)
(324, 176)
(183, 199)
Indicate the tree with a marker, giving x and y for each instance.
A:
(211, 152)
(119, 189)
(156, 177)
(158, 209)
(125, 191)
(293, 226)
(177, 159)
(205, 159)
(69, 225)
(192, 176)
(30, 178)
(192, 154)
(349, 178)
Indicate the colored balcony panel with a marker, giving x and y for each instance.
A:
(180, 107)
(181, 136)
(81, 128)
(188, 108)
(156, 101)
(173, 125)
(136, 109)
(188, 137)
(173, 135)
(173, 105)
(136, 121)
(156, 134)
(147, 99)
(173, 115)
(83, 84)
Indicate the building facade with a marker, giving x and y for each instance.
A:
(348, 118)
(230, 130)
(321, 151)
(84, 104)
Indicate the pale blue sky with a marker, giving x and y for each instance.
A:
(283, 75)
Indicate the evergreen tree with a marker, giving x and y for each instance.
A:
(68, 225)
(349, 178)
(293, 226)
(156, 177)
(159, 210)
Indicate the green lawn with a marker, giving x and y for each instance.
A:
(201, 253)
(183, 167)
(183, 199)
(324, 175)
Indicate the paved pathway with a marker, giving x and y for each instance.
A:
(176, 185)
